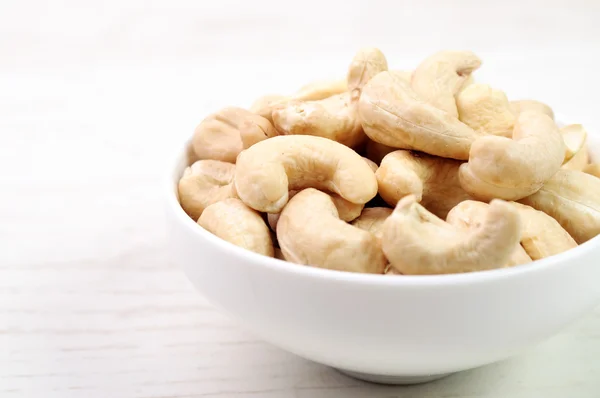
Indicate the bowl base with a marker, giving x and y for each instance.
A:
(395, 380)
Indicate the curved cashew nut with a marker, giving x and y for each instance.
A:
(575, 138)
(233, 221)
(572, 198)
(334, 117)
(310, 232)
(268, 170)
(417, 242)
(371, 219)
(433, 180)
(219, 136)
(442, 75)
(471, 214)
(392, 114)
(367, 63)
(512, 169)
(541, 235)
(530, 105)
(203, 183)
(347, 211)
(485, 110)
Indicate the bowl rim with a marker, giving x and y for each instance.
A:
(557, 261)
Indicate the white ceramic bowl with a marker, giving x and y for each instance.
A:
(390, 329)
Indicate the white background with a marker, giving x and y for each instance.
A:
(94, 96)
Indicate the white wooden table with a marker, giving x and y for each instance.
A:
(92, 101)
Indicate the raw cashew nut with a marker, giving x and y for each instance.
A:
(233, 221)
(347, 211)
(219, 136)
(575, 138)
(541, 235)
(313, 91)
(485, 110)
(530, 105)
(392, 114)
(203, 183)
(372, 219)
(471, 214)
(376, 151)
(333, 117)
(572, 198)
(442, 75)
(417, 242)
(310, 232)
(592, 169)
(433, 180)
(268, 170)
(367, 63)
(512, 169)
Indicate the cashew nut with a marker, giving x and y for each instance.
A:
(310, 232)
(541, 235)
(471, 214)
(266, 171)
(347, 211)
(203, 183)
(333, 117)
(313, 91)
(392, 114)
(485, 110)
(433, 180)
(233, 221)
(442, 75)
(219, 136)
(417, 242)
(530, 105)
(592, 169)
(376, 151)
(367, 63)
(372, 219)
(572, 198)
(575, 138)
(512, 169)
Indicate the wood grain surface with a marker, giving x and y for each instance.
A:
(94, 99)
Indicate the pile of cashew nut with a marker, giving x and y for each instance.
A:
(394, 172)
